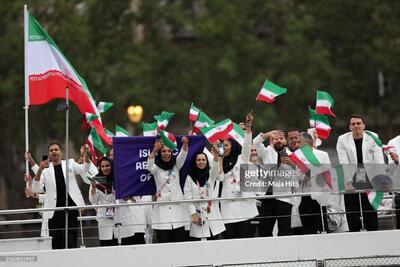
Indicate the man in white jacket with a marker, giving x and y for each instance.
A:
(51, 175)
(362, 160)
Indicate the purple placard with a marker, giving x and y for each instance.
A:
(130, 162)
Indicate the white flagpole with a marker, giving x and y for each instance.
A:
(26, 107)
(67, 162)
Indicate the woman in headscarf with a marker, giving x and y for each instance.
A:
(112, 222)
(236, 213)
(201, 184)
(168, 220)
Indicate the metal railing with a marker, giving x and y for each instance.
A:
(184, 201)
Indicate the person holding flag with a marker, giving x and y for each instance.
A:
(273, 209)
(236, 213)
(362, 159)
(51, 175)
(168, 220)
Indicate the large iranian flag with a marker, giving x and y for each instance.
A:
(218, 131)
(304, 158)
(49, 73)
(320, 123)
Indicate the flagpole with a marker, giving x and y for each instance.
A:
(67, 162)
(26, 107)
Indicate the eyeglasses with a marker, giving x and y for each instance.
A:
(355, 123)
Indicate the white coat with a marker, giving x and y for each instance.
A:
(372, 156)
(140, 214)
(48, 181)
(211, 216)
(170, 216)
(233, 211)
(270, 156)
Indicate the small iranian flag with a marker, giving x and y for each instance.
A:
(109, 133)
(269, 91)
(237, 133)
(168, 139)
(202, 121)
(121, 132)
(375, 198)
(163, 119)
(193, 113)
(304, 158)
(90, 117)
(218, 131)
(324, 103)
(335, 178)
(104, 106)
(320, 123)
(94, 142)
(149, 129)
(378, 141)
(49, 73)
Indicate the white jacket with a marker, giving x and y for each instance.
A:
(212, 219)
(173, 216)
(372, 156)
(237, 210)
(48, 181)
(270, 156)
(140, 214)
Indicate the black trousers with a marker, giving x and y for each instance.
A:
(138, 238)
(272, 210)
(57, 229)
(242, 229)
(397, 207)
(310, 215)
(173, 235)
(108, 243)
(353, 214)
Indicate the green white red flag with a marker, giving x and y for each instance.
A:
(109, 133)
(324, 103)
(375, 198)
(149, 129)
(218, 131)
(202, 121)
(193, 113)
(334, 178)
(168, 139)
(270, 91)
(237, 133)
(304, 158)
(104, 106)
(90, 117)
(94, 142)
(49, 73)
(163, 119)
(378, 141)
(320, 123)
(121, 132)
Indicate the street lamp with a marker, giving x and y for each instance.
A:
(135, 115)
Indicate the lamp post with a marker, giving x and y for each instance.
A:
(135, 115)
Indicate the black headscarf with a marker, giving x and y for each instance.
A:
(109, 178)
(199, 175)
(165, 165)
(230, 161)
